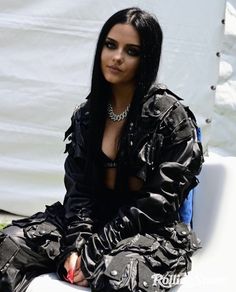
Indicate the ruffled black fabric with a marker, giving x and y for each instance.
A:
(147, 262)
(44, 230)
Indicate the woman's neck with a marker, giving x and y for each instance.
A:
(122, 96)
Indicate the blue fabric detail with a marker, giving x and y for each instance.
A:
(186, 210)
(199, 134)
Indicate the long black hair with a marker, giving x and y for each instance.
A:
(150, 34)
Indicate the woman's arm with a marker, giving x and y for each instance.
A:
(78, 201)
(78, 205)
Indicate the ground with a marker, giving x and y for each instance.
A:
(6, 218)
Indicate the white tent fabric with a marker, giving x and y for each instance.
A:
(46, 55)
(223, 132)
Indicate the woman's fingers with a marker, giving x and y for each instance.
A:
(78, 263)
(74, 273)
(83, 283)
(79, 276)
(70, 263)
(70, 266)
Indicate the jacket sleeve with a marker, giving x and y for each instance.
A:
(171, 177)
(78, 202)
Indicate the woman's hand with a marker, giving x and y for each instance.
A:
(74, 273)
(79, 278)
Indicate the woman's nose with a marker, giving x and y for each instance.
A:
(118, 56)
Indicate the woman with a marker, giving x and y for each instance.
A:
(133, 156)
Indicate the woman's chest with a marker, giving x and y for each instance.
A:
(131, 155)
(111, 137)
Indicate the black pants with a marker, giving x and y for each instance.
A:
(20, 262)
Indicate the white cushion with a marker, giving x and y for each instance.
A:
(214, 209)
(51, 283)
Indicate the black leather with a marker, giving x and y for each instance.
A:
(21, 259)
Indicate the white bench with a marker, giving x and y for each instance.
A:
(214, 208)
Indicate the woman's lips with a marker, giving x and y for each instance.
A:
(114, 69)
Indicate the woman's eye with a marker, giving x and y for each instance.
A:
(110, 45)
(133, 52)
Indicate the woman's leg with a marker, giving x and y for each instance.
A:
(19, 262)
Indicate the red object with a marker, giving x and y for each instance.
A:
(70, 276)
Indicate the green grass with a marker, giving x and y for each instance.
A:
(2, 225)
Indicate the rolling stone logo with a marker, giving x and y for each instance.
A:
(167, 281)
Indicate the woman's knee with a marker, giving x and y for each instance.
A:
(8, 249)
(15, 233)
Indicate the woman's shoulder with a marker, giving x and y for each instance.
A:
(170, 114)
(159, 100)
(81, 111)
(80, 117)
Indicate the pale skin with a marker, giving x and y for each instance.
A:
(120, 59)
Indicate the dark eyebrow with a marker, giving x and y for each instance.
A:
(133, 45)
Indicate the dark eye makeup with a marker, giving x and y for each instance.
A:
(132, 50)
(110, 44)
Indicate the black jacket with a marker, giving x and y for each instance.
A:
(161, 148)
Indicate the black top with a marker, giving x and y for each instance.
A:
(107, 162)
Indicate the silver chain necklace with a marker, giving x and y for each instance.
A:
(114, 117)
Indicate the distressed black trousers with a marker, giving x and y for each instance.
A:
(20, 262)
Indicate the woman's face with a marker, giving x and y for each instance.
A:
(120, 55)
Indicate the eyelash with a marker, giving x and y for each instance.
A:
(110, 45)
(130, 51)
(133, 52)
